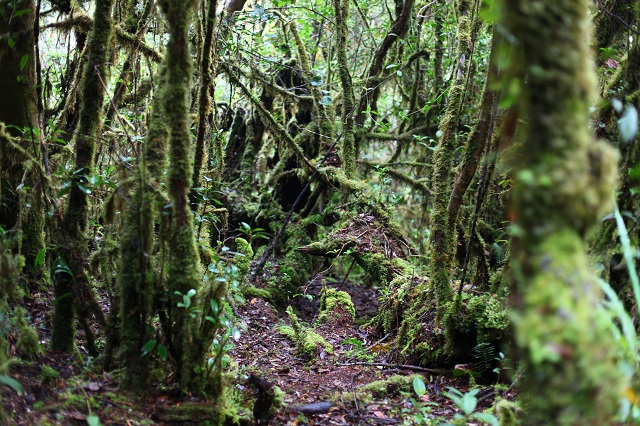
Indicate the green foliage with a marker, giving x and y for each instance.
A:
(467, 403)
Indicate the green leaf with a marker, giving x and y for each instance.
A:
(486, 418)
(325, 100)
(162, 351)
(12, 383)
(20, 12)
(419, 386)
(93, 420)
(316, 81)
(23, 62)
(84, 189)
(235, 333)
(149, 346)
(11, 42)
(469, 402)
(61, 266)
(39, 260)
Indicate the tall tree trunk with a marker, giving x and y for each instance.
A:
(184, 260)
(19, 112)
(564, 181)
(441, 239)
(72, 289)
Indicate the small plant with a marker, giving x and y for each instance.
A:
(253, 234)
(358, 350)
(467, 402)
(419, 412)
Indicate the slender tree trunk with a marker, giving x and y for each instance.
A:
(72, 290)
(341, 8)
(564, 181)
(184, 273)
(441, 239)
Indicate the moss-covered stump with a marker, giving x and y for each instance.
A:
(410, 313)
(336, 307)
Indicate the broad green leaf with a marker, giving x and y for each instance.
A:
(23, 62)
(93, 420)
(12, 383)
(419, 386)
(617, 105)
(84, 189)
(61, 266)
(325, 100)
(11, 42)
(20, 12)
(39, 260)
(149, 346)
(486, 418)
(162, 351)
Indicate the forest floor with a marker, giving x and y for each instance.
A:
(67, 389)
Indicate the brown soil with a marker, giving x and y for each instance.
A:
(359, 358)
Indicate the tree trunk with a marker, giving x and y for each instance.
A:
(564, 181)
(19, 112)
(72, 290)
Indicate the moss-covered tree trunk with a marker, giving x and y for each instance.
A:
(19, 112)
(72, 288)
(441, 238)
(348, 102)
(136, 278)
(184, 260)
(564, 181)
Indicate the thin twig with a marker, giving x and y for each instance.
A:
(399, 366)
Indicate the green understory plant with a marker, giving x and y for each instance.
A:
(467, 402)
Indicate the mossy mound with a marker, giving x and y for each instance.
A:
(336, 306)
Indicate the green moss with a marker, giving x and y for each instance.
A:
(385, 388)
(307, 341)
(508, 412)
(278, 400)
(48, 374)
(334, 304)
(287, 331)
(311, 342)
(252, 291)
(489, 314)
(28, 342)
(377, 265)
(243, 260)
